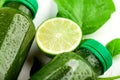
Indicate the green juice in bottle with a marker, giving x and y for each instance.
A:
(16, 35)
(89, 61)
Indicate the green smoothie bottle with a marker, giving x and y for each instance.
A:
(89, 61)
(16, 35)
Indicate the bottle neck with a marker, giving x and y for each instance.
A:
(92, 59)
(21, 7)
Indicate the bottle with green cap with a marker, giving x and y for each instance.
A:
(89, 60)
(16, 35)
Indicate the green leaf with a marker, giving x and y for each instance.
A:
(110, 78)
(72, 9)
(90, 15)
(1, 3)
(114, 47)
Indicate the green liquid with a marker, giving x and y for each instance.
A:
(16, 35)
(66, 66)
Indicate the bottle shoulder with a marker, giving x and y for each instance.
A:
(90, 59)
(11, 12)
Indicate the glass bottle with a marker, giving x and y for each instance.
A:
(16, 35)
(88, 61)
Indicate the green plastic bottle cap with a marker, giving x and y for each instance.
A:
(99, 51)
(31, 4)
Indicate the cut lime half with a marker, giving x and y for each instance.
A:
(58, 35)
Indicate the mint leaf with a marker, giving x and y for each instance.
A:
(114, 47)
(90, 15)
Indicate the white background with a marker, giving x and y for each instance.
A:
(110, 30)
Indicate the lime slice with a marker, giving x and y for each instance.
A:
(58, 35)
